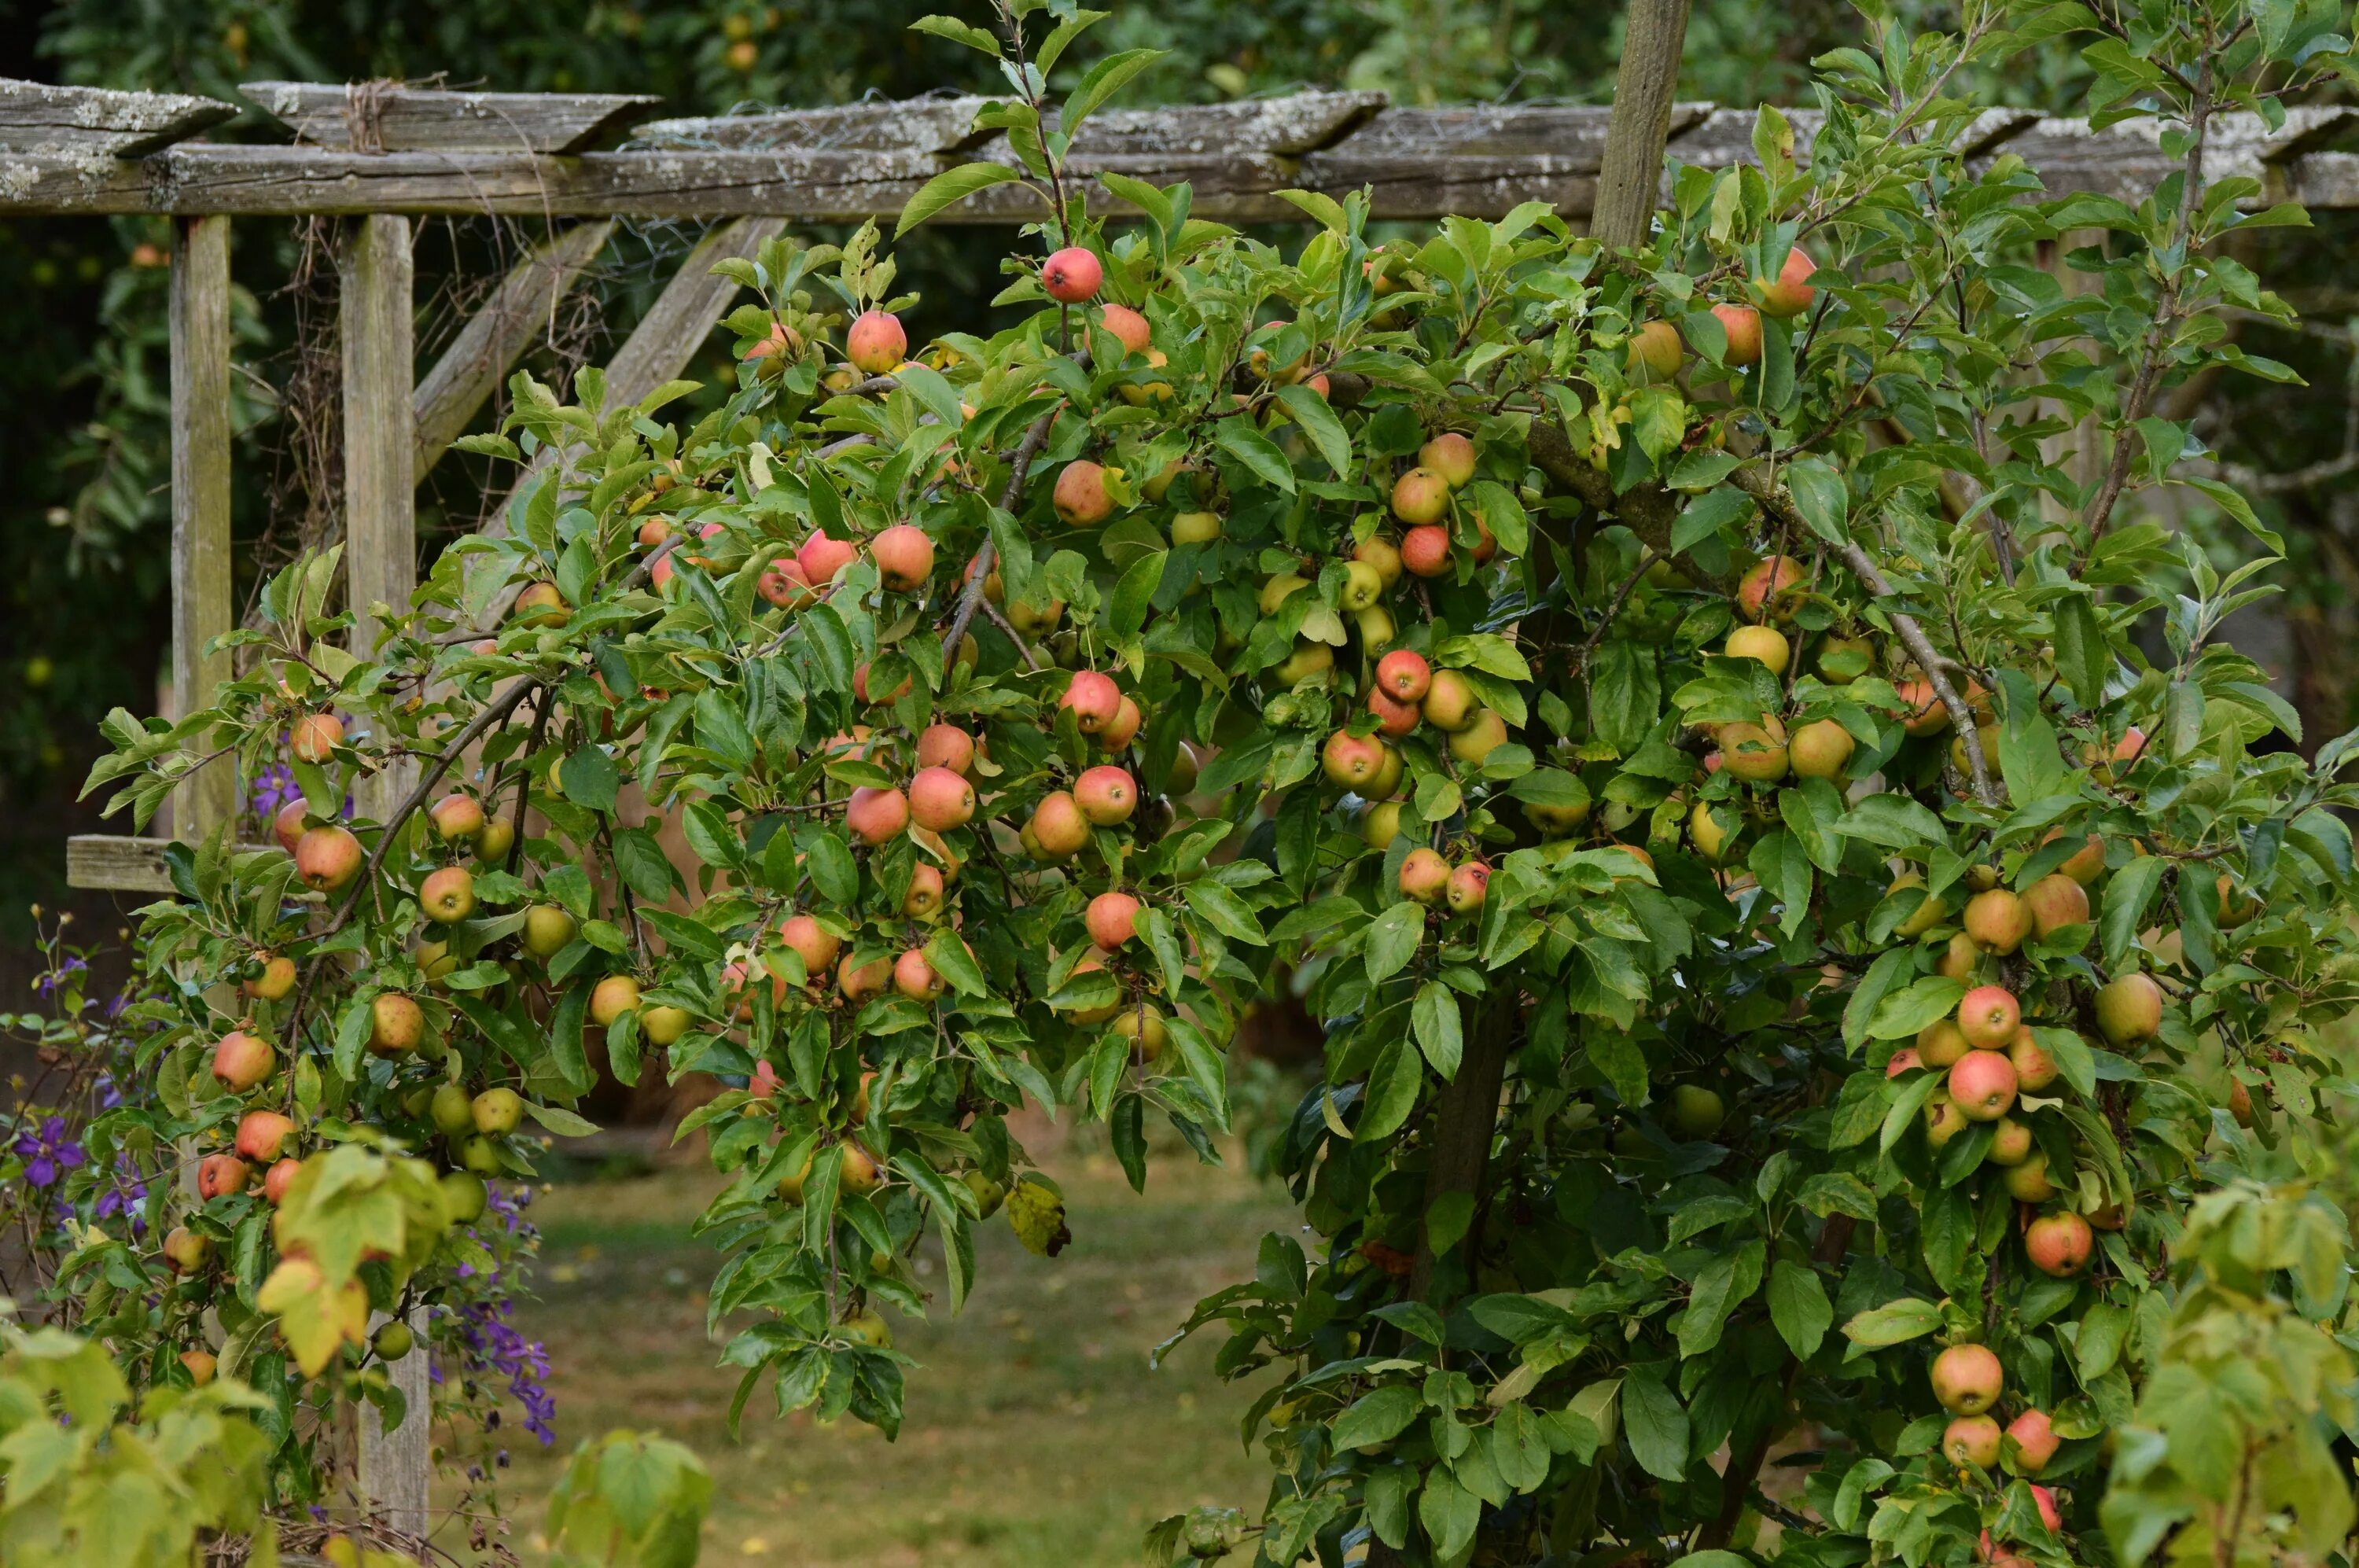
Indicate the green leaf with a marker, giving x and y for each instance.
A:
(1105, 80)
(1895, 1322)
(1902, 1014)
(1434, 1017)
(1393, 1085)
(590, 779)
(1656, 1425)
(1392, 939)
(1318, 421)
(2123, 904)
(953, 963)
(1053, 47)
(1134, 594)
(1707, 515)
(1378, 1417)
(950, 188)
(2082, 656)
(1238, 438)
(1798, 1306)
(1821, 497)
(958, 32)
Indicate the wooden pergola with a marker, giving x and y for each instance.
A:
(380, 153)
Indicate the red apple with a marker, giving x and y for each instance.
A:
(221, 1175)
(448, 895)
(877, 344)
(1112, 918)
(1072, 275)
(1967, 1379)
(1791, 293)
(2034, 1068)
(277, 1179)
(813, 943)
(1425, 550)
(1769, 589)
(1351, 760)
(1095, 700)
(1058, 825)
(1424, 875)
(1106, 795)
(1127, 325)
(243, 1062)
(287, 825)
(1982, 1085)
(941, 800)
(915, 979)
(315, 736)
(327, 857)
(1393, 718)
(1743, 325)
(1988, 1017)
(876, 816)
(905, 557)
(262, 1134)
(1404, 676)
(1079, 497)
(1466, 887)
(1126, 720)
(784, 584)
(860, 982)
(821, 558)
(2035, 1440)
(1450, 455)
(1420, 496)
(946, 745)
(457, 816)
(2059, 1245)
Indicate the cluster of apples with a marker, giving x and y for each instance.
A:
(1969, 1382)
(1657, 350)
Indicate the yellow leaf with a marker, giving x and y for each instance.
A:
(316, 1318)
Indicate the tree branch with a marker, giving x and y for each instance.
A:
(1756, 481)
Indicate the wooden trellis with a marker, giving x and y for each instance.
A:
(380, 153)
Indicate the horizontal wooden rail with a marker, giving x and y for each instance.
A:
(456, 153)
(123, 865)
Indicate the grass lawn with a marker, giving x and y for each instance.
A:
(1036, 1433)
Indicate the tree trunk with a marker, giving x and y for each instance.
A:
(1467, 1115)
(1632, 175)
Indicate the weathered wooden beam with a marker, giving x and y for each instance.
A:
(113, 862)
(1482, 161)
(675, 327)
(204, 600)
(98, 122)
(497, 336)
(391, 117)
(1421, 163)
(374, 275)
(940, 124)
(666, 338)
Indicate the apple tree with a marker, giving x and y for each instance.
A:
(1802, 902)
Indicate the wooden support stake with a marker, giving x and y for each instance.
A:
(203, 605)
(667, 337)
(381, 567)
(1629, 184)
(380, 516)
(495, 337)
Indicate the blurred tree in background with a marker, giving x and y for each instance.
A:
(83, 505)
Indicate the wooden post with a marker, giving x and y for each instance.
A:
(1629, 182)
(202, 597)
(381, 567)
(380, 506)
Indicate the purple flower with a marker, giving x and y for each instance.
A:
(49, 1152)
(54, 981)
(274, 789)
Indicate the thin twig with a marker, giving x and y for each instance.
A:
(1756, 481)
